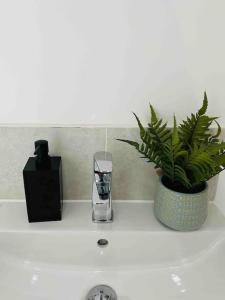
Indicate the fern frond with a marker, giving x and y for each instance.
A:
(181, 176)
(204, 107)
(141, 127)
(147, 151)
(220, 160)
(195, 129)
(171, 162)
(154, 118)
(214, 148)
(200, 163)
(159, 133)
(132, 143)
(175, 135)
(213, 138)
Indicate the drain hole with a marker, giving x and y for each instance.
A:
(102, 242)
(103, 292)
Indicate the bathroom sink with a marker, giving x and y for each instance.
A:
(125, 250)
(139, 258)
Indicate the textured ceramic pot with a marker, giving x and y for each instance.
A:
(180, 211)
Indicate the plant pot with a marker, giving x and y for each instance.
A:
(181, 211)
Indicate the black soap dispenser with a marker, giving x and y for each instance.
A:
(43, 185)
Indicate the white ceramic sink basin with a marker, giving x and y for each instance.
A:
(143, 259)
(125, 250)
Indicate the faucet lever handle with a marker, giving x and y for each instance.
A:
(103, 162)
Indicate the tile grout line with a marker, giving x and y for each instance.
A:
(106, 139)
(61, 125)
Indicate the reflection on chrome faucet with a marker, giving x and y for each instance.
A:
(102, 182)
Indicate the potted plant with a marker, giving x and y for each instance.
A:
(187, 155)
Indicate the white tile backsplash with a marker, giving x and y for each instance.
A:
(133, 178)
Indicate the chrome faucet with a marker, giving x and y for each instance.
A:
(102, 183)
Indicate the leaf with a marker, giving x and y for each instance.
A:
(218, 131)
(154, 118)
(200, 163)
(159, 133)
(142, 130)
(214, 148)
(132, 143)
(220, 159)
(175, 136)
(146, 150)
(182, 153)
(195, 129)
(181, 176)
(204, 107)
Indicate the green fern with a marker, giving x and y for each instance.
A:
(200, 164)
(189, 154)
(195, 129)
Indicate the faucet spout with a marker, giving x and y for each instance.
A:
(101, 191)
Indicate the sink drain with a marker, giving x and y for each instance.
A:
(102, 242)
(101, 292)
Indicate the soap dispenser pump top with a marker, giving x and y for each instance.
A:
(41, 150)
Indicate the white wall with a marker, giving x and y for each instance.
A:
(95, 61)
(220, 193)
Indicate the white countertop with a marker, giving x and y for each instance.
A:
(128, 216)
